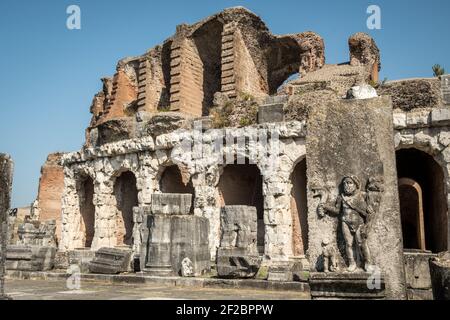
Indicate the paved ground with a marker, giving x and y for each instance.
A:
(90, 290)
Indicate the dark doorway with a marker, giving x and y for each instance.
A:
(299, 209)
(427, 173)
(126, 194)
(241, 184)
(87, 210)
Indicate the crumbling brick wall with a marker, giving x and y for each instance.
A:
(51, 186)
(231, 52)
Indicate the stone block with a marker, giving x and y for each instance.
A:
(237, 263)
(81, 257)
(111, 261)
(399, 120)
(446, 98)
(155, 247)
(30, 258)
(281, 272)
(417, 269)
(345, 286)
(417, 119)
(440, 116)
(279, 99)
(364, 91)
(171, 203)
(239, 226)
(168, 239)
(271, 113)
(237, 256)
(189, 239)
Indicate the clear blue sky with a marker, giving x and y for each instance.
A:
(49, 74)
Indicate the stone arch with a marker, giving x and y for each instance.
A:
(126, 197)
(411, 209)
(423, 168)
(208, 41)
(242, 184)
(299, 208)
(171, 179)
(85, 193)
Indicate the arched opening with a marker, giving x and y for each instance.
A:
(411, 207)
(292, 77)
(427, 173)
(299, 209)
(241, 184)
(172, 181)
(208, 40)
(87, 210)
(126, 194)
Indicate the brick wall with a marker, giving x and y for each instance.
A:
(186, 91)
(239, 72)
(51, 185)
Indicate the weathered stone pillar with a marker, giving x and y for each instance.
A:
(6, 172)
(277, 205)
(70, 213)
(353, 203)
(105, 215)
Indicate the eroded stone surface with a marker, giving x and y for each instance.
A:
(350, 143)
(237, 256)
(111, 261)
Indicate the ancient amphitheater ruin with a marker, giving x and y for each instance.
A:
(207, 157)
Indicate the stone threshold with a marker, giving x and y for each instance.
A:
(140, 278)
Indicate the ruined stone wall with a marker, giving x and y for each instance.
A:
(231, 52)
(428, 131)
(147, 158)
(51, 186)
(410, 94)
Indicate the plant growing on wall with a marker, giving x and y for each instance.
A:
(438, 70)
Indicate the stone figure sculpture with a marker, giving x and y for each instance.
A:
(329, 256)
(355, 209)
(187, 268)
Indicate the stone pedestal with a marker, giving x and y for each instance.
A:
(6, 173)
(418, 278)
(352, 188)
(30, 258)
(237, 256)
(111, 261)
(169, 234)
(155, 248)
(346, 286)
